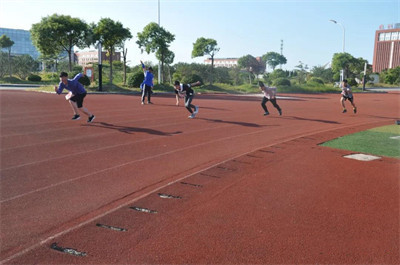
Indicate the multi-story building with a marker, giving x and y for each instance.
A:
(225, 62)
(85, 58)
(387, 48)
(22, 42)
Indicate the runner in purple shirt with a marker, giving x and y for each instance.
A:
(75, 96)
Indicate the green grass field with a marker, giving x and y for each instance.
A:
(375, 141)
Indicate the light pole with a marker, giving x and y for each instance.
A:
(159, 63)
(344, 32)
(344, 41)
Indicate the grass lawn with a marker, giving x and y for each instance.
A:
(375, 141)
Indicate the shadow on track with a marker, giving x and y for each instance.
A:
(130, 130)
(246, 124)
(307, 119)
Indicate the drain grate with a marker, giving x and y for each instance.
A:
(112, 227)
(242, 162)
(225, 168)
(208, 175)
(266, 151)
(168, 196)
(143, 210)
(191, 184)
(69, 251)
(254, 156)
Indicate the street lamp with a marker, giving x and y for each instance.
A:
(344, 38)
(344, 31)
(159, 63)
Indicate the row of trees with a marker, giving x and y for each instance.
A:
(58, 33)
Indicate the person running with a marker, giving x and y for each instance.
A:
(147, 83)
(347, 95)
(186, 89)
(269, 95)
(75, 96)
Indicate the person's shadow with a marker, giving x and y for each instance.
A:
(241, 123)
(131, 130)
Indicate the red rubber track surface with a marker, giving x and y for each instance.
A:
(251, 189)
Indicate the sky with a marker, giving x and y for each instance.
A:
(244, 27)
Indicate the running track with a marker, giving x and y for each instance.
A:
(248, 188)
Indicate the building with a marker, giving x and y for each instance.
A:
(226, 62)
(387, 48)
(85, 58)
(22, 42)
(223, 62)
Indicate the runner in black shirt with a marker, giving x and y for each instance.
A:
(186, 89)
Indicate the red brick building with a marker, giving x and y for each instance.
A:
(387, 48)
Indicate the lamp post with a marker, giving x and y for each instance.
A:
(159, 63)
(344, 32)
(344, 41)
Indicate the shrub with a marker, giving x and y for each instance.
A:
(135, 79)
(51, 77)
(34, 78)
(282, 82)
(191, 79)
(316, 80)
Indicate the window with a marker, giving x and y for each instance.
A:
(395, 35)
(387, 35)
(381, 36)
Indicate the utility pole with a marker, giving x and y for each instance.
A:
(100, 67)
(281, 52)
(159, 63)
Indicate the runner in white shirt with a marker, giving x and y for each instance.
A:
(269, 95)
(347, 95)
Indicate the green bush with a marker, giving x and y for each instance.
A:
(12, 79)
(191, 79)
(164, 87)
(135, 79)
(316, 80)
(51, 77)
(281, 82)
(34, 78)
(352, 82)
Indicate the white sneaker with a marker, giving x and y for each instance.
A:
(191, 116)
(196, 110)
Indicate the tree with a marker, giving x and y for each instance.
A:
(250, 64)
(57, 33)
(273, 59)
(24, 65)
(204, 46)
(301, 73)
(7, 43)
(112, 35)
(155, 39)
(169, 57)
(352, 66)
(325, 74)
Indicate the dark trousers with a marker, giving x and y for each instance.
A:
(146, 90)
(273, 101)
(188, 103)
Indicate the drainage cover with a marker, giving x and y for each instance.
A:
(168, 196)
(112, 227)
(362, 157)
(144, 210)
(190, 184)
(208, 175)
(70, 251)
